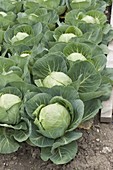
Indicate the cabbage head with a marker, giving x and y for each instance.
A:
(66, 37)
(19, 36)
(90, 19)
(9, 109)
(54, 119)
(57, 78)
(76, 56)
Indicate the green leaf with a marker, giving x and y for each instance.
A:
(7, 143)
(75, 4)
(91, 95)
(69, 93)
(99, 62)
(21, 135)
(98, 15)
(38, 139)
(32, 104)
(45, 153)
(57, 47)
(24, 87)
(5, 79)
(90, 79)
(78, 107)
(92, 32)
(91, 109)
(81, 48)
(6, 5)
(19, 126)
(48, 4)
(64, 154)
(11, 90)
(66, 139)
(5, 64)
(72, 17)
(49, 63)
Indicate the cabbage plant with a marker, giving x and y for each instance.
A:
(11, 5)
(77, 51)
(10, 105)
(34, 15)
(65, 33)
(54, 71)
(7, 19)
(23, 34)
(94, 17)
(84, 75)
(13, 125)
(55, 115)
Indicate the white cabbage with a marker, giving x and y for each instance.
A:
(76, 56)
(66, 37)
(8, 100)
(19, 36)
(54, 116)
(90, 19)
(57, 78)
(3, 14)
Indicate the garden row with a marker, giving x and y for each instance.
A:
(53, 73)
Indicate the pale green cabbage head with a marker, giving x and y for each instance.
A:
(3, 14)
(9, 108)
(66, 37)
(56, 78)
(90, 19)
(76, 56)
(54, 119)
(19, 36)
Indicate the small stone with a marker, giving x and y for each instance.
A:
(14, 158)
(98, 130)
(12, 162)
(5, 164)
(106, 150)
(97, 139)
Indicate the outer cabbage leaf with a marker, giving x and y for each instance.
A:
(100, 17)
(7, 143)
(10, 5)
(80, 51)
(75, 4)
(61, 155)
(66, 31)
(37, 100)
(49, 4)
(49, 63)
(91, 109)
(89, 78)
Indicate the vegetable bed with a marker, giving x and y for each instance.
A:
(53, 73)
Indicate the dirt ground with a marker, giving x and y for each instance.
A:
(95, 153)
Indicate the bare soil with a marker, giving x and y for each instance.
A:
(95, 153)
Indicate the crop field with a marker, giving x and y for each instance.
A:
(53, 80)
